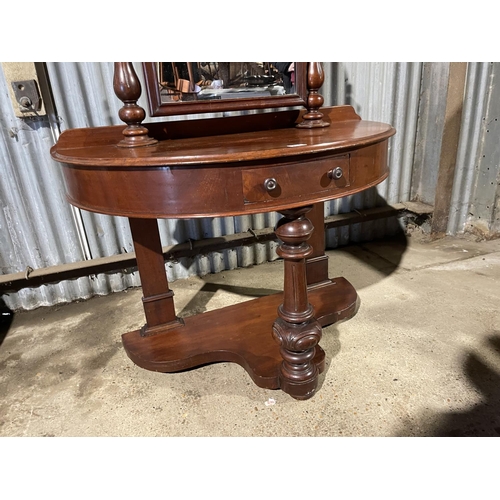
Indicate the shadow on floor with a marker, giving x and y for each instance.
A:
(483, 420)
(386, 260)
(6, 317)
(198, 304)
(384, 255)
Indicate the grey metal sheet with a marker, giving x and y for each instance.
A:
(476, 188)
(386, 92)
(38, 227)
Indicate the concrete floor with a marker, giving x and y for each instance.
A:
(420, 358)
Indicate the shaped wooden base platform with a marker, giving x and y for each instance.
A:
(240, 333)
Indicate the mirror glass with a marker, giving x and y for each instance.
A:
(209, 87)
(209, 81)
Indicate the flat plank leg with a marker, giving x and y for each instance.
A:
(158, 299)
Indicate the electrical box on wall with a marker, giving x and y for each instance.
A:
(24, 89)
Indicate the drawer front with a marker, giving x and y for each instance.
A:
(293, 181)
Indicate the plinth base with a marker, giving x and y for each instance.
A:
(241, 333)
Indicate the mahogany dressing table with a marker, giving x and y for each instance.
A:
(289, 162)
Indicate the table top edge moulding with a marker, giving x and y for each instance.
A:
(289, 162)
(98, 146)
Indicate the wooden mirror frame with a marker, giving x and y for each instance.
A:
(128, 89)
(157, 108)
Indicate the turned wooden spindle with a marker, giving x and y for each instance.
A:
(315, 78)
(296, 330)
(128, 89)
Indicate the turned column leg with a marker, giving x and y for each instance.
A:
(296, 329)
(157, 298)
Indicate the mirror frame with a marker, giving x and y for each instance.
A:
(157, 108)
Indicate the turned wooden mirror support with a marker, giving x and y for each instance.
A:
(128, 89)
(309, 79)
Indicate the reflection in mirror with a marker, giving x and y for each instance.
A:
(207, 81)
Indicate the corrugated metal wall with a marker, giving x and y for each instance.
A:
(475, 203)
(430, 129)
(386, 92)
(84, 97)
(38, 228)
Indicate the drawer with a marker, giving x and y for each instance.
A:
(294, 181)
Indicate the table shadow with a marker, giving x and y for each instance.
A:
(483, 419)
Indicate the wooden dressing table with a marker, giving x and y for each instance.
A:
(227, 167)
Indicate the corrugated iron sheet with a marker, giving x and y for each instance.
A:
(431, 122)
(477, 175)
(38, 227)
(386, 92)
